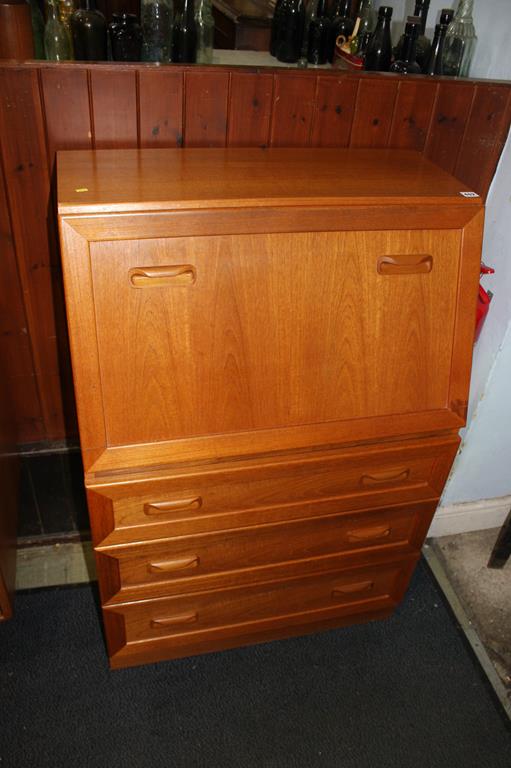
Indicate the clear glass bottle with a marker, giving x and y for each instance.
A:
(57, 43)
(379, 51)
(407, 64)
(66, 10)
(205, 25)
(460, 41)
(37, 29)
(157, 17)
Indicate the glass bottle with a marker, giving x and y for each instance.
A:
(319, 36)
(66, 10)
(407, 64)
(125, 37)
(184, 35)
(434, 62)
(156, 17)
(290, 38)
(379, 51)
(275, 25)
(342, 24)
(423, 45)
(365, 28)
(57, 43)
(37, 29)
(446, 16)
(89, 33)
(205, 25)
(460, 41)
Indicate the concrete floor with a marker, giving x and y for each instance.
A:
(485, 593)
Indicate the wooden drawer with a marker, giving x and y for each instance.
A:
(271, 551)
(179, 626)
(253, 493)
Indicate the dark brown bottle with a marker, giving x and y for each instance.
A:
(319, 36)
(290, 37)
(275, 26)
(434, 63)
(407, 64)
(342, 24)
(125, 37)
(184, 36)
(88, 26)
(423, 44)
(379, 50)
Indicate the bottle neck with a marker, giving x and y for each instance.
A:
(52, 12)
(421, 10)
(464, 10)
(90, 5)
(342, 9)
(320, 9)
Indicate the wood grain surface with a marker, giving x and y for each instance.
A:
(46, 107)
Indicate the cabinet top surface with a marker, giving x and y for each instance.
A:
(104, 181)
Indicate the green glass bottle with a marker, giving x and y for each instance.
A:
(37, 28)
(460, 41)
(205, 26)
(57, 43)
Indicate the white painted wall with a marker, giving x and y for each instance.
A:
(481, 477)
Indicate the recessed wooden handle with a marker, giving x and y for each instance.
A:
(405, 264)
(349, 589)
(158, 277)
(365, 534)
(178, 505)
(174, 565)
(392, 476)
(180, 618)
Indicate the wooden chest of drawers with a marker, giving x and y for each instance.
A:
(271, 354)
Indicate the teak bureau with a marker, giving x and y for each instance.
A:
(271, 354)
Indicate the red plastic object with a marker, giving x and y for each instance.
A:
(483, 301)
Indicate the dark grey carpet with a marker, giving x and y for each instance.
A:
(403, 692)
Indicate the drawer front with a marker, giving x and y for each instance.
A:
(257, 493)
(215, 560)
(247, 607)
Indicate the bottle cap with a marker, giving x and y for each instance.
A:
(385, 11)
(413, 25)
(446, 15)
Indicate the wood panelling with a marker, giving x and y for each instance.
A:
(114, 108)
(333, 112)
(293, 107)
(206, 108)
(448, 123)
(46, 107)
(65, 92)
(160, 108)
(25, 163)
(373, 113)
(250, 109)
(484, 137)
(412, 114)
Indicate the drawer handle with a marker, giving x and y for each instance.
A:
(349, 589)
(170, 621)
(385, 477)
(419, 264)
(174, 565)
(179, 505)
(157, 277)
(364, 534)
